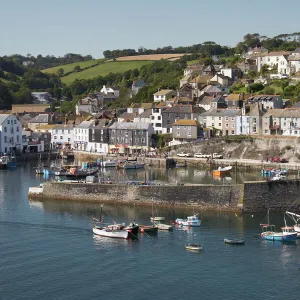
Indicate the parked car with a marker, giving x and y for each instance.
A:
(277, 159)
(184, 154)
(201, 155)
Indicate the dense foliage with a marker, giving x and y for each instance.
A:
(43, 62)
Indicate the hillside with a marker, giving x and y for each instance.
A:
(104, 69)
(70, 67)
(152, 57)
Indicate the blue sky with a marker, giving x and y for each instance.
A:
(57, 27)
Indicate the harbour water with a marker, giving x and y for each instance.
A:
(48, 251)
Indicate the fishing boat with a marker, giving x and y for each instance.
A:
(75, 172)
(287, 235)
(115, 230)
(111, 163)
(222, 171)
(193, 247)
(7, 162)
(157, 219)
(234, 241)
(150, 228)
(191, 221)
(162, 226)
(39, 169)
(296, 219)
(130, 165)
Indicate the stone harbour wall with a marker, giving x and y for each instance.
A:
(203, 196)
(247, 197)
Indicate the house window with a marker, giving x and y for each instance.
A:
(232, 119)
(141, 132)
(159, 118)
(296, 131)
(220, 118)
(69, 140)
(17, 128)
(126, 140)
(69, 131)
(232, 125)
(137, 140)
(219, 124)
(5, 129)
(5, 139)
(61, 137)
(56, 131)
(62, 131)
(8, 122)
(212, 124)
(232, 132)
(178, 133)
(117, 139)
(226, 125)
(15, 121)
(55, 137)
(226, 118)
(189, 133)
(266, 131)
(152, 118)
(284, 124)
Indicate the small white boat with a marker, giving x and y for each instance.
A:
(193, 247)
(191, 221)
(234, 241)
(157, 219)
(109, 163)
(162, 226)
(111, 231)
(277, 177)
(130, 165)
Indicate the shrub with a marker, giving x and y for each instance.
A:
(288, 147)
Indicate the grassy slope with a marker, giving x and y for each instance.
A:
(192, 62)
(104, 69)
(70, 67)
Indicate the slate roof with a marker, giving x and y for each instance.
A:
(283, 113)
(147, 113)
(3, 117)
(130, 125)
(206, 100)
(222, 112)
(127, 116)
(85, 125)
(255, 110)
(41, 118)
(162, 92)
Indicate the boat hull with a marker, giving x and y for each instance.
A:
(193, 247)
(234, 242)
(161, 226)
(106, 232)
(148, 229)
(278, 236)
(183, 222)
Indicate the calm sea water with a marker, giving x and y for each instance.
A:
(47, 251)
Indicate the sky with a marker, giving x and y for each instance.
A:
(57, 27)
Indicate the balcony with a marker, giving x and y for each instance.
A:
(274, 127)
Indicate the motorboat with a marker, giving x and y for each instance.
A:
(75, 172)
(157, 219)
(162, 226)
(7, 162)
(296, 219)
(287, 235)
(112, 231)
(111, 163)
(193, 247)
(115, 230)
(277, 177)
(191, 221)
(130, 165)
(148, 228)
(222, 171)
(234, 241)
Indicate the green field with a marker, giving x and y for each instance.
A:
(70, 67)
(104, 69)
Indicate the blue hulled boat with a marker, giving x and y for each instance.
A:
(287, 235)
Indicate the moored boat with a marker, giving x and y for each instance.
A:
(130, 165)
(148, 228)
(162, 226)
(287, 235)
(222, 171)
(157, 219)
(77, 173)
(234, 241)
(191, 221)
(193, 247)
(296, 219)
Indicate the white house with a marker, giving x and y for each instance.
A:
(163, 95)
(81, 135)
(62, 136)
(10, 133)
(279, 58)
(108, 90)
(156, 119)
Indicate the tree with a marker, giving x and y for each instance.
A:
(289, 91)
(60, 72)
(269, 90)
(77, 69)
(240, 48)
(255, 87)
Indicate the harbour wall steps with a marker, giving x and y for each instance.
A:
(246, 197)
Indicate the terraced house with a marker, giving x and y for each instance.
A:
(129, 137)
(282, 122)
